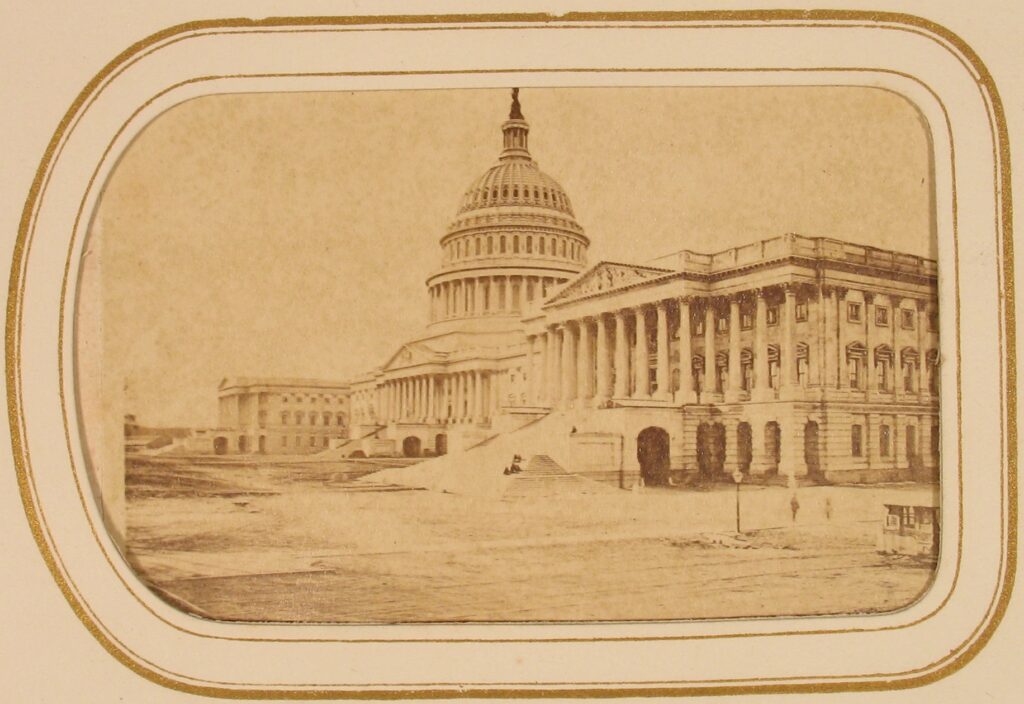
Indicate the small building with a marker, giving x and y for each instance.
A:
(280, 416)
(910, 527)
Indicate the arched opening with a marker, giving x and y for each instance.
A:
(710, 449)
(744, 447)
(441, 444)
(243, 443)
(262, 444)
(772, 446)
(358, 454)
(812, 451)
(412, 447)
(220, 446)
(653, 454)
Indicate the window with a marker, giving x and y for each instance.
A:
(881, 316)
(284, 418)
(801, 312)
(284, 441)
(773, 366)
(883, 367)
(698, 326)
(298, 418)
(722, 324)
(327, 418)
(884, 441)
(746, 369)
(341, 419)
(773, 315)
(312, 418)
(906, 319)
(857, 441)
(746, 321)
(856, 357)
(853, 312)
(312, 440)
(529, 244)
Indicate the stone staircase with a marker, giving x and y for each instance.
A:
(542, 476)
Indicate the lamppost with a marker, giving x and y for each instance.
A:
(737, 477)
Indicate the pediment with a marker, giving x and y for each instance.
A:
(607, 276)
(410, 355)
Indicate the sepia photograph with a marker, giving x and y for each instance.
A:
(552, 354)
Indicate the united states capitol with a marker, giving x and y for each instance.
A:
(792, 358)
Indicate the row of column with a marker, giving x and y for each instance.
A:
(608, 356)
(481, 295)
(459, 397)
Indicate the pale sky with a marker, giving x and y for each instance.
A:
(290, 234)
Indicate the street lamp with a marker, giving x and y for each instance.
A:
(737, 477)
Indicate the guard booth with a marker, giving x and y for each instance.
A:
(910, 527)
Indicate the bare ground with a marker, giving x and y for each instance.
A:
(305, 543)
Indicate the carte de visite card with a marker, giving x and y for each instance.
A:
(513, 355)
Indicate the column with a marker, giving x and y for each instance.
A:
(664, 363)
(553, 384)
(787, 348)
(843, 376)
(478, 395)
(568, 375)
(431, 400)
(922, 354)
(604, 368)
(584, 364)
(824, 363)
(869, 343)
(531, 369)
(495, 391)
(685, 353)
(642, 368)
(621, 356)
(897, 359)
(710, 366)
(447, 407)
(735, 363)
(522, 294)
(762, 389)
(542, 369)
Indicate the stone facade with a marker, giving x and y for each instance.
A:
(280, 416)
(795, 356)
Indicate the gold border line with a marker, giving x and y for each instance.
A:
(1006, 208)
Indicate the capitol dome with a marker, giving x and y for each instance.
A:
(514, 237)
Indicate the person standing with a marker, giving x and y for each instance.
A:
(794, 506)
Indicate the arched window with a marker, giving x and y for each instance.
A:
(540, 245)
(544, 193)
(746, 369)
(536, 194)
(721, 371)
(515, 245)
(298, 417)
(803, 358)
(883, 367)
(773, 366)
(932, 360)
(909, 364)
(502, 244)
(477, 246)
(856, 358)
(340, 418)
(504, 191)
(490, 244)
(529, 244)
(284, 418)
(563, 247)
(697, 370)
(494, 193)
(327, 418)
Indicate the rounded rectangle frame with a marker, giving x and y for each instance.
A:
(927, 64)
